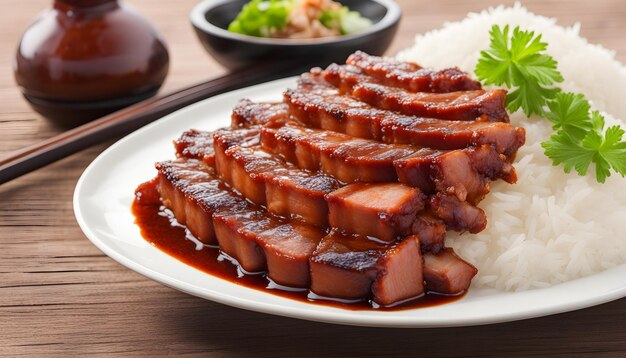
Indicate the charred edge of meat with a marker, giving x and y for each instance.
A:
(411, 76)
(460, 105)
(248, 114)
(354, 267)
(245, 232)
(457, 215)
(351, 159)
(430, 230)
(195, 144)
(319, 106)
(267, 180)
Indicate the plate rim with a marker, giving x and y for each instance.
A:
(339, 316)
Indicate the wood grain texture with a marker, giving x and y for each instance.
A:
(60, 296)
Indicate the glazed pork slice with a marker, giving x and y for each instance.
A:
(411, 76)
(354, 267)
(352, 159)
(245, 232)
(460, 105)
(318, 105)
(346, 158)
(456, 214)
(430, 230)
(267, 180)
(195, 144)
(446, 273)
(384, 210)
(248, 114)
(285, 190)
(287, 248)
(195, 195)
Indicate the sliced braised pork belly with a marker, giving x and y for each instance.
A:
(347, 188)
(316, 104)
(287, 249)
(267, 180)
(383, 210)
(195, 144)
(346, 158)
(215, 215)
(288, 191)
(248, 114)
(430, 230)
(446, 273)
(354, 267)
(351, 159)
(460, 105)
(411, 76)
(456, 214)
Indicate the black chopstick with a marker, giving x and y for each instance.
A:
(122, 122)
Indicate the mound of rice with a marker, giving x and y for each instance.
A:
(550, 227)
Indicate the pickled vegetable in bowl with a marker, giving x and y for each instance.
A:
(297, 19)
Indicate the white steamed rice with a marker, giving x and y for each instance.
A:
(550, 227)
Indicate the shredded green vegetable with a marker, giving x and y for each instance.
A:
(260, 17)
(348, 22)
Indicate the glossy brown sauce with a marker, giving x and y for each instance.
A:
(156, 227)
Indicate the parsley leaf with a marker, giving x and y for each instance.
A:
(570, 112)
(609, 152)
(580, 140)
(562, 149)
(516, 60)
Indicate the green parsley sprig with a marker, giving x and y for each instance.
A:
(519, 61)
(580, 138)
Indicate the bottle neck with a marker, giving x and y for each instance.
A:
(77, 5)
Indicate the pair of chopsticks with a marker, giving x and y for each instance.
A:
(122, 122)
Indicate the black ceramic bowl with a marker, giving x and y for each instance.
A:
(210, 19)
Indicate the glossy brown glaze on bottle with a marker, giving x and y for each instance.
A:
(84, 58)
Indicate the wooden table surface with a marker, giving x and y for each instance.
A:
(59, 295)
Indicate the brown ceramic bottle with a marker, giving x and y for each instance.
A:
(85, 58)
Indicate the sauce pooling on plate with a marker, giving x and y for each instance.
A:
(159, 227)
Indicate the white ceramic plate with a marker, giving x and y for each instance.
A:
(104, 194)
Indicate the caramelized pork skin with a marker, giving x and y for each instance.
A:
(460, 105)
(456, 214)
(430, 230)
(195, 144)
(354, 267)
(248, 114)
(267, 180)
(244, 231)
(318, 105)
(411, 76)
(351, 159)
(287, 191)
(346, 158)
(446, 273)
